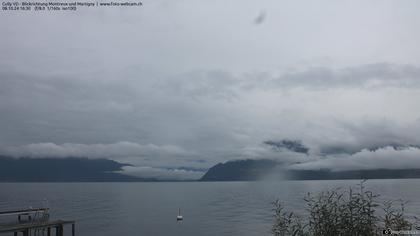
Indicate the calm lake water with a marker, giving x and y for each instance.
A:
(209, 208)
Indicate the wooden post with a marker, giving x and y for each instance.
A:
(15, 233)
(49, 231)
(73, 233)
(59, 230)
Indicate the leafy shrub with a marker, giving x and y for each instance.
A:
(338, 212)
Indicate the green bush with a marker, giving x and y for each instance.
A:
(338, 212)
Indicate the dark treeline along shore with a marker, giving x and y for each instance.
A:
(103, 170)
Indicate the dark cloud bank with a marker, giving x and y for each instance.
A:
(355, 118)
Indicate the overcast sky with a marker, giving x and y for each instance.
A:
(174, 87)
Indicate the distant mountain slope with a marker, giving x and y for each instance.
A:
(241, 170)
(61, 170)
(353, 174)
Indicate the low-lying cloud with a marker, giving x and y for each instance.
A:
(383, 158)
(162, 173)
(291, 145)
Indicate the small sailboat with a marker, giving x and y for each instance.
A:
(179, 216)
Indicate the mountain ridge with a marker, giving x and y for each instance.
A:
(70, 169)
(252, 170)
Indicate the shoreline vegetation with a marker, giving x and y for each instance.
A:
(355, 211)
